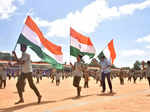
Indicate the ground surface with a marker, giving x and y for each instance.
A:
(127, 98)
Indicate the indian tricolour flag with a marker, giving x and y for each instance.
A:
(46, 50)
(80, 44)
(109, 52)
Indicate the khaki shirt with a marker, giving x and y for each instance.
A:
(78, 69)
(98, 75)
(3, 74)
(148, 72)
(58, 75)
(27, 66)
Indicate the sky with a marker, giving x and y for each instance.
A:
(125, 21)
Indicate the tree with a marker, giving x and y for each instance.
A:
(137, 65)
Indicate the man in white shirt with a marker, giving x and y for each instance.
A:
(106, 71)
(26, 64)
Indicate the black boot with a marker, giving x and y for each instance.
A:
(78, 91)
(39, 99)
(20, 101)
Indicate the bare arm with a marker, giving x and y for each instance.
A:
(72, 66)
(19, 61)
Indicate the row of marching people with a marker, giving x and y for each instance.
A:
(122, 74)
(130, 75)
(54, 74)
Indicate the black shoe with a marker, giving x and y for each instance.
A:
(103, 91)
(79, 91)
(23, 90)
(39, 99)
(20, 101)
(111, 91)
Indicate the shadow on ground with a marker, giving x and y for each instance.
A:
(106, 94)
(148, 95)
(76, 97)
(18, 107)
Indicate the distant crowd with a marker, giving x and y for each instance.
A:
(7, 72)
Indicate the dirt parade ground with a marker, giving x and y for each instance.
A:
(126, 98)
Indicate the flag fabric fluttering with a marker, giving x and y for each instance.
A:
(46, 50)
(109, 52)
(80, 44)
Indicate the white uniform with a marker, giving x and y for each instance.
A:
(98, 75)
(104, 65)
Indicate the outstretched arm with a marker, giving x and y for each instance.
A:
(72, 66)
(19, 61)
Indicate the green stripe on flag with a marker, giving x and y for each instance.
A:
(75, 52)
(39, 52)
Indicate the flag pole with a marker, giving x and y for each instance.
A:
(70, 44)
(103, 48)
(18, 38)
(15, 46)
(107, 45)
(13, 50)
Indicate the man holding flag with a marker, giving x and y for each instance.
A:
(106, 71)
(77, 73)
(26, 64)
(32, 37)
(105, 64)
(80, 46)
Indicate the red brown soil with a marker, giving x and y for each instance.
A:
(126, 98)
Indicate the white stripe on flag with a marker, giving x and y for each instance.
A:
(58, 58)
(83, 47)
(107, 53)
(31, 36)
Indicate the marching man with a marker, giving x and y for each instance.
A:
(26, 64)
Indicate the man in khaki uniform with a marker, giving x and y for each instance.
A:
(121, 77)
(3, 76)
(26, 64)
(148, 72)
(86, 77)
(77, 73)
